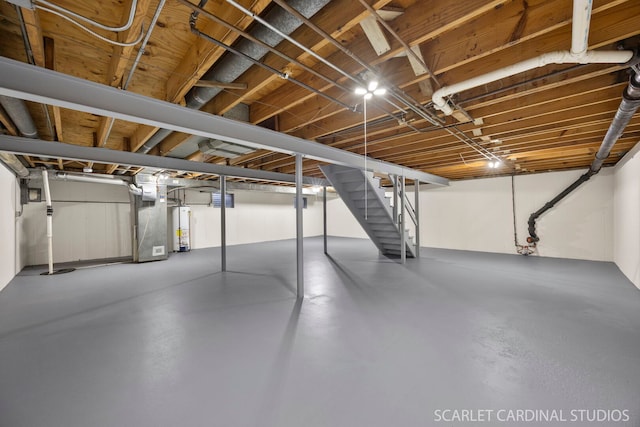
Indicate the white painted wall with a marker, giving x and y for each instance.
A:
(340, 222)
(8, 194)
(626, 210)
(90, 221)
(477, 215)
(257, 217)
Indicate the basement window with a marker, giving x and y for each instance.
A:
(229, 200)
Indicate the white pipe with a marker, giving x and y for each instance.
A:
(559, 57)
(580, 26)
(132, 14)
(578, 55)
(47, 195)
(92, 179)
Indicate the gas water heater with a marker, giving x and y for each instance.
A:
(181, 235)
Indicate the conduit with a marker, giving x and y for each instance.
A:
(141, 52)
(577, 55)
(132, 14)
(280, 74)
(628, 107)
(199, 10)
(228, 69)
(411, 103)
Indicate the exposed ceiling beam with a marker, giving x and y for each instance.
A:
(34, 34)
(454, 14)
(118, 63)
(197, 60)
(39, 85)
(50, 63)
(27, 146)
(258, 79)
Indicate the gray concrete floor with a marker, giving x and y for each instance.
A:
(375, 343)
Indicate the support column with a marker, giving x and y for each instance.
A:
(47, 193)
(394, 182)
(223, 222)
(324, 216)
(403, 243)
(416, 209)
(299, 229)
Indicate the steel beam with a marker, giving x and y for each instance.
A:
(403, 222)
(324, 216)
(416, 209)
(223, 223)
(30, 147)
(36, 84)
(299, 229)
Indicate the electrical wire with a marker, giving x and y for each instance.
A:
(93, 33)
(132, 13)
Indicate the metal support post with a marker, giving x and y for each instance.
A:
(324, 215)
(299, 229)
(416, 209)
(223, 221)
(403, 243)
(394, 181)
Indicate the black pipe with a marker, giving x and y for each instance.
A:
(628, 107)
(533, 237)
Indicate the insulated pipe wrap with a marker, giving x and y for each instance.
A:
(19, 114)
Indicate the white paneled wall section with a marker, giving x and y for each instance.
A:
(90, 221)
(9, 203)
(93, 221)
(477, 215)
(627, 215)
(257, 217)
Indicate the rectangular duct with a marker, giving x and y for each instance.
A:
(215, 147)
(150, 236)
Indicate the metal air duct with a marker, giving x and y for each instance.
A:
(19, 114)
(230, 67)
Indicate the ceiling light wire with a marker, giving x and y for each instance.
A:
(132, 13)
(93, 33)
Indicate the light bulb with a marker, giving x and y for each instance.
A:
(373, 85)
(491, 165)
(368, 96)
(360, 91)
(380, 91)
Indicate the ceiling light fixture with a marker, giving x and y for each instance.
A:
(371, 90)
